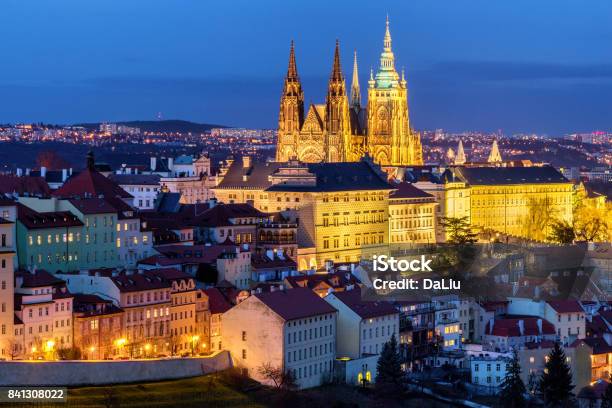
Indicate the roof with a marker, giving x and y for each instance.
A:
(598, 344)
(344, 176)
(296, 303)
(263, 262)
(221, 214)
(566, 306)
(39, 278)
(333, 280)
(509, 175)
(51, 176)
(92, 184)
(5, 221)
(34, 186)
(509, 327)
(364, 309)
(217, 303)
(168, 202)
(137, 282)
(188, 254)
(93, 205)
(257, 175)
(135, 179)
(408, 190)
(57, 219)
(341, 176)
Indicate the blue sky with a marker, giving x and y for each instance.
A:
(519, 66)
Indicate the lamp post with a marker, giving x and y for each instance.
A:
(194, 343)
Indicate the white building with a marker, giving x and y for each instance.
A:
(134, 242)
(363, 327)
(567, 316)
(8, 215)
(294, 330)
(144, 188)
(489, 369)
(43, 309)
(447, 324)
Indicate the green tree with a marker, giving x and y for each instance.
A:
(556, 381)
(390, 376)
(459, 230)
(513, 389)
(562, 232)
(606, 398)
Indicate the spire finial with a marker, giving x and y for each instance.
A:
(337, 70)
(292, 69)
(355, 90)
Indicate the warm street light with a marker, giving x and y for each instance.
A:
(194, 343)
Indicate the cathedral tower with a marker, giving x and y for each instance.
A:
(460, 158)
(390, 140)
(355, 90)
(291, 115)
(337, 122)
(495, 155)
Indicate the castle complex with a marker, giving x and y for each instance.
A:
(341, 129)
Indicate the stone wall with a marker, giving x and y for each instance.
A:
(72, 373)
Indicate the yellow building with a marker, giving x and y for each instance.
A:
(518, 201)
(339, 130)
(342, 208)
(412, 216)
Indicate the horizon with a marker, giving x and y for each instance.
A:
(479, 67)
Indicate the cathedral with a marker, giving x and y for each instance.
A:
(341, 130)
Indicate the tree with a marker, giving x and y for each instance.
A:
(556, 381)
(562, 232)
(513, 389)
(459, 230)
(390, 376)
(280, 379)
(606, 398)
(541, 214)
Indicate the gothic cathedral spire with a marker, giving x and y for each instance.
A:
(291, 115)
(337, 113)
(495, 155)
(460, 158)
(355, 91)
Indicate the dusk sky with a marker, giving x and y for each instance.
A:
(520, 66)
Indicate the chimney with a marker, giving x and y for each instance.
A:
(272, 288)
(64, 175)
(540, 327)
(246, 162)
(43, 172)
(491, 325)
(153, 164)
(170, 163)
(70, 171)
(521, 325)
(19, 172)
(212, 202)
(27, 172)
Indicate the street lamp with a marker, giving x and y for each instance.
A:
(120, 343)
(194, 343)
(147, 348)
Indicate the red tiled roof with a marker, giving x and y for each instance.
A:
(169, 274)
(92, 184)
(364, 309)
(263, 262)
(334, 280)
(221, 214)
(566, 306)
(217, 303)
(93, 206)
(509, 327)
(188, 254)
(295, 303)
(596, 326)
(59, 219)
(34, 186)
(38, 279)
(139, 282)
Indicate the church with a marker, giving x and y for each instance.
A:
(342, 130)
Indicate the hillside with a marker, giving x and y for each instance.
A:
(181, 126)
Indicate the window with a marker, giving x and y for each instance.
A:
(244, 354)
(243, 336)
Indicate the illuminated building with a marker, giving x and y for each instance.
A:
(340, 130)
(43, 307)
(519, 201)
(8, 216)
(97, 325)
(411, 216)
(294, 330)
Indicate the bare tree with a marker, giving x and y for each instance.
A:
(280, 378)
